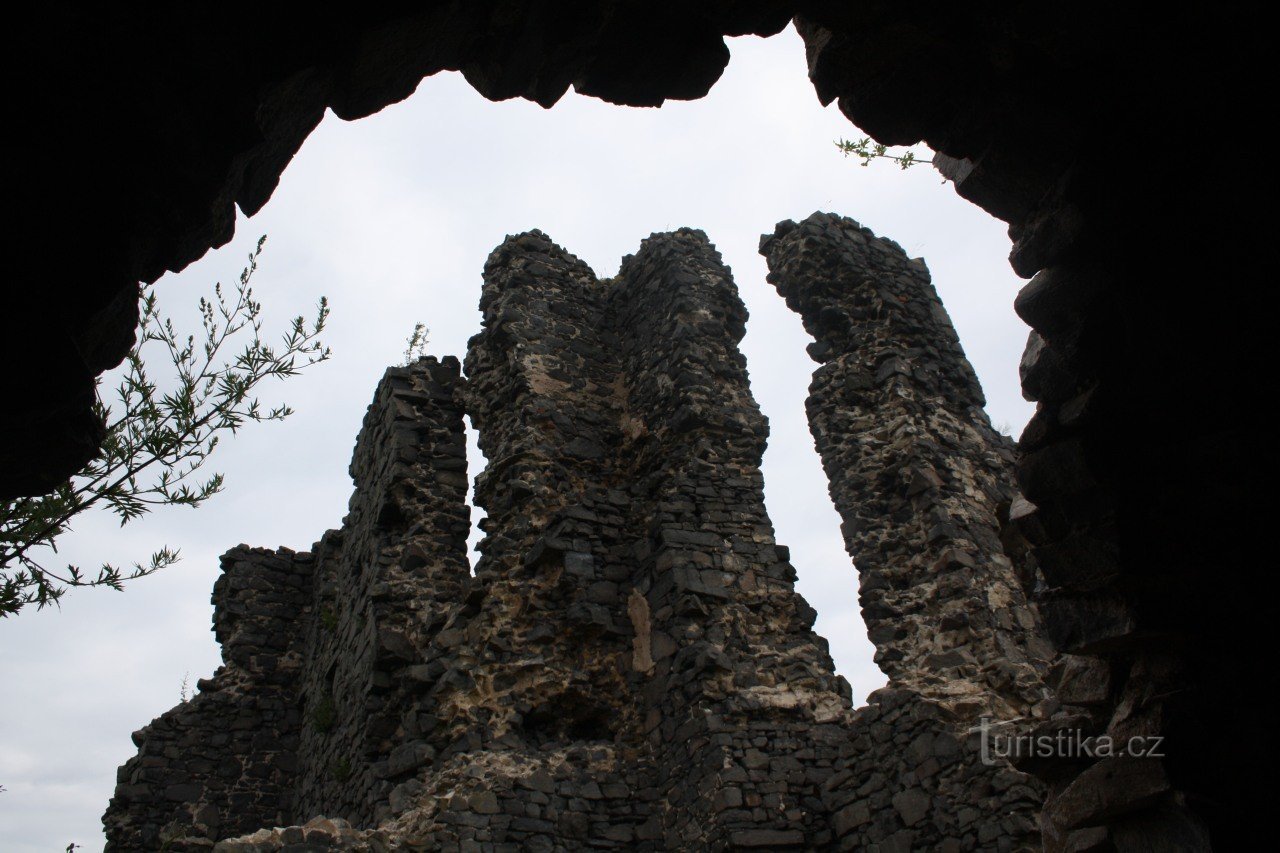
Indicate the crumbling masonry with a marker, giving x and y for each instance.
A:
(630, 666)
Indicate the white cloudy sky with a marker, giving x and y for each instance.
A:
(392, 217)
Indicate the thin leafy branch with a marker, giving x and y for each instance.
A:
(158, 440)
(417, 343)
(866, 150)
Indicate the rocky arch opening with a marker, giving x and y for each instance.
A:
(957, 78)
(808, 559)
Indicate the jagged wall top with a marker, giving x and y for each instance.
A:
(630, 665)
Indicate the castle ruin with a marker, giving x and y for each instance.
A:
(629, 666)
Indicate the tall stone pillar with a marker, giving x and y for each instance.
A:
(924, 487)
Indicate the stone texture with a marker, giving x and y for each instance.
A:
(224, 762)
(924, 486)
(318, 649)
(923, 483)
(630, 665)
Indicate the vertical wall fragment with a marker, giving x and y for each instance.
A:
(224, 762)
(313, 710)
(638, 636)
(924, 486)
(743, 698)
(385, 583)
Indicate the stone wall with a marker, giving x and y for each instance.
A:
(383, 584)
(749, 706)
(639, 671)
(304, 716)
(630, 665)
(924, 487)
(225, 761)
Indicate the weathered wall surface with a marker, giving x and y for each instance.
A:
(630, 665)
(383, 584)
(305, 714)
(639, 671)
(923, 485)
(747, 704)
(224, 762)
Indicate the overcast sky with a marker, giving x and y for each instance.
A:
(392, 218)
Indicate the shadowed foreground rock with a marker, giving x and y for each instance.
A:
(630, 666)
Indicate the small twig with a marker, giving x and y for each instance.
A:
(867, 150)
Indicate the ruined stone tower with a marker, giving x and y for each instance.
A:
(924, 487)
(630, 666)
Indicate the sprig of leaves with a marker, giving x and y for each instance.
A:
(867, 150)
(417, 343)
(157, 441)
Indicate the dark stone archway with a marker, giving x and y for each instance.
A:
(143, 131)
